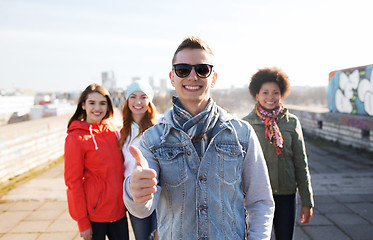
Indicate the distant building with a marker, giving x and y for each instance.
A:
(151, 81)
(15, 107)
(109, 81)
(163, 86)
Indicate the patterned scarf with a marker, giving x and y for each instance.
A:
(272, 131)
(199, 128)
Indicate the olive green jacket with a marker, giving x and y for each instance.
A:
(289, 170)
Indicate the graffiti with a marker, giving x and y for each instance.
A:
(351, 91)
(365, 93)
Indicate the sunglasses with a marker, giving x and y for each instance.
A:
(183, 70)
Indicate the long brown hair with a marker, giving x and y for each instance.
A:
(146, 122)
(80, 114)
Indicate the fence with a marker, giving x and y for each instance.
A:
(347, 129)
(30, 144)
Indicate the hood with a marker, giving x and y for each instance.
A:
(91, 128)
(81, 125)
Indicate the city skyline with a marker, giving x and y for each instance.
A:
(64, 46)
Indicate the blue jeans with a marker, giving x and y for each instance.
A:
(144, 228)
(284, 218)
(117, 230)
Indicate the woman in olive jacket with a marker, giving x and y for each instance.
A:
(280, 135)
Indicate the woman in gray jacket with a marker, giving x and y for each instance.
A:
(280, 135)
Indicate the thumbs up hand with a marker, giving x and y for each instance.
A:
(140, 160)
(143, 182)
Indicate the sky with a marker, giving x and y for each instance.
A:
(50, 45)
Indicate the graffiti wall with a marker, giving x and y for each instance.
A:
(351, 91)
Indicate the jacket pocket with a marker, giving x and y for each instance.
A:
(97, 202)
(172, 164)
(230, 157)
(93, 194)
(289, 181)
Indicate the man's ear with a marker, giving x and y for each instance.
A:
(171, 75)
(214, 78)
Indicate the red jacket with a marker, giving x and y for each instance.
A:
(93, 174)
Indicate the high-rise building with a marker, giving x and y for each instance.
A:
(151, 81)
(109, 81)
(163, 84)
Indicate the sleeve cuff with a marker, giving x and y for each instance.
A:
(84, 224)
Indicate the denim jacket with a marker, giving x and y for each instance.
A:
(212, 197)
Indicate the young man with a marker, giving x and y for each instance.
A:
(202, 170)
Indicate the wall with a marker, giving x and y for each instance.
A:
(347, 129)
(26, 145)
(30, 144)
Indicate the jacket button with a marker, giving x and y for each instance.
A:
(202, 178)
(202, 207)
(189, 153)
(203, 238)
(170, 153)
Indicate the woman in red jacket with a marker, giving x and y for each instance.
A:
(94, 168)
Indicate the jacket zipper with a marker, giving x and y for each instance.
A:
(98, 200)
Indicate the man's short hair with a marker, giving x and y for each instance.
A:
(192, 42)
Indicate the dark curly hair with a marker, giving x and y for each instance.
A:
(265, 75)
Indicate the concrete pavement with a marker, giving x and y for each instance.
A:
(342, 182)
(343, 190)
(38, 210)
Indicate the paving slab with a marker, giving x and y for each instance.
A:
(10, 220)
(363, 209)
(44, 215)
(299, 234)
(359, 231)
(325, 232)
(333, 208)
(62, 226)
(342, 219)
(59, 236)
(38, 190)
(5, 206)
(31, 226)
(25, 206)
(355, 198)
(318, 220)
(19, 236)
